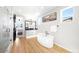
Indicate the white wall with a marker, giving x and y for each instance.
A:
(67, 35)
(46, 26)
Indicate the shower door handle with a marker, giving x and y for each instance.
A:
(8, 30)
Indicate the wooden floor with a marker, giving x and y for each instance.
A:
(23, 45)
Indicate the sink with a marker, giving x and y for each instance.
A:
(45, 40)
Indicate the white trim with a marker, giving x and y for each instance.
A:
(63, 47)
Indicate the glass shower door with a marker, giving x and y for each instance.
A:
(4, 40)
(5, 33)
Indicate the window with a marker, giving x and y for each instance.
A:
(67, 13)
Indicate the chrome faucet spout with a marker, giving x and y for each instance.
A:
(46, 33)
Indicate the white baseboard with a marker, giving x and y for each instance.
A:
(63, 47)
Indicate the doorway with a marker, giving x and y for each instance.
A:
(14, 28)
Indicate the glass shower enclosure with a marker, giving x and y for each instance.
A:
(6, 30)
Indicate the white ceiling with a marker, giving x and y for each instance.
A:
(30, 11)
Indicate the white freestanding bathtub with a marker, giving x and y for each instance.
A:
(45, 40)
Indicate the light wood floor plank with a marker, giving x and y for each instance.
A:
(31, 45)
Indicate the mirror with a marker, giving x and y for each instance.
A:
(30, 25)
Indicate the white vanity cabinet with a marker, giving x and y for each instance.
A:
(30, 32)
(45, 40)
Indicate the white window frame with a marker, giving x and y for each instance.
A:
(62, 10)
